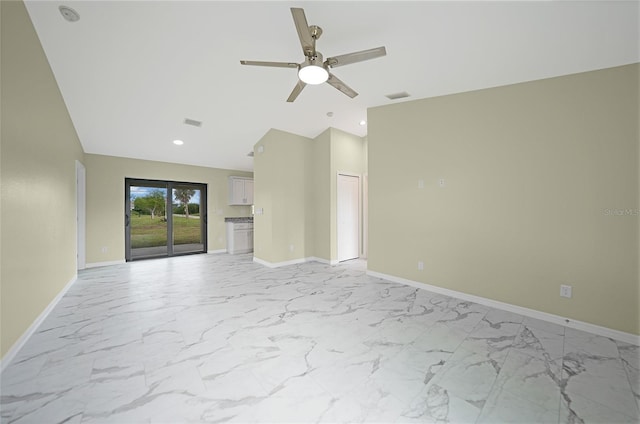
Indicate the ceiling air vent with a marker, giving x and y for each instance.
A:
(396, 96)
(193, 122)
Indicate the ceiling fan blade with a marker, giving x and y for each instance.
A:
(274, 64)
(306, 40)
(337, 83)
(346, 59)
(296, 90)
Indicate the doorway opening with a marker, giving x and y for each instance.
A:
(348, 222)
(164, 218)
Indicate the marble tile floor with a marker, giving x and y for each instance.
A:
(218, 338)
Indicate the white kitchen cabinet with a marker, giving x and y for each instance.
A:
(239, 237)
(240, 191)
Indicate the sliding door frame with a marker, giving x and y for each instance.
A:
(169, 186)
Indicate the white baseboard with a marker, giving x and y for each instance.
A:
(294, 262)
(279, 264)
(532, 313)
(217, 251)
(322, 260)
(108, 263)
(13, 351)
(316, 259)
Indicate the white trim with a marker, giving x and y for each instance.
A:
(294, 262)
(321, 260)
(22, 340)
(359, 177)
(217, 251)
(333, 262)
(279, 264)
(108, 263)
(556, 319)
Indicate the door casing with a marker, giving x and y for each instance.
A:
(348, 207)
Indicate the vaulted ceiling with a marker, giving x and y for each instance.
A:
(130, 72)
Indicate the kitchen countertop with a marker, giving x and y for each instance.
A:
(243, 219)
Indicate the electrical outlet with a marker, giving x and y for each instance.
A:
(565, 290)
(441, 182)
(291, 248)
(104, 249)
(420, 265)
(420, 183)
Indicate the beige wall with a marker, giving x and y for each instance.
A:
(531, 171)
(348, 155)
(321, 201)
(106, 202)
(281, 184)
(39, 150)
(296, 185)
(334, 151)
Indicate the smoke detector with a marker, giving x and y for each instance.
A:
(69, 14)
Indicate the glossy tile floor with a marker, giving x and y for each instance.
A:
(217, 338)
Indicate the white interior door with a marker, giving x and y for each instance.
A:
(348, 206)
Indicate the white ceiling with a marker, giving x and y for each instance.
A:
(130, 72)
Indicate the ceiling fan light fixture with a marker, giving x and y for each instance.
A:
(313, 74)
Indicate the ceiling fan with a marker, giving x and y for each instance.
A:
(313, 70)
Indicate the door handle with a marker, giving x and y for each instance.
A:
(126, 220)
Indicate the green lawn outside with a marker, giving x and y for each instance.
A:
(147, 232)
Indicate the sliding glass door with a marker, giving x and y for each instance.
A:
(189, 228)
(164, 218)
(146, 220)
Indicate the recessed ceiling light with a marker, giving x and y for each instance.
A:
(363, 122)
(69, 14)
(178, 142)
